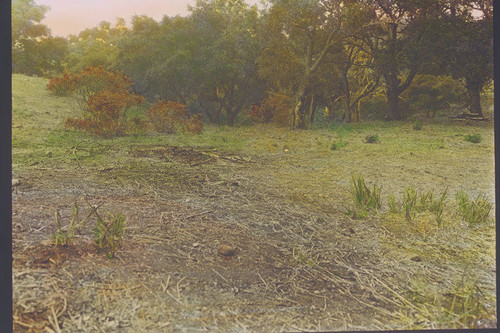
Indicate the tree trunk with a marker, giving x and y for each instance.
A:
(300, 110)
(312, 110)
(393, 101)
(474, 91)
(231, 117)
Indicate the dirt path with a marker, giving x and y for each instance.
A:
(294, 269)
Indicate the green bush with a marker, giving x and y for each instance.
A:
(474, 138)
(431, 93)
(338, 145)
(418, 125)
(373, 138)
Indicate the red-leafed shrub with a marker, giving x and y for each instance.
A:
(102, 95)
(193, 124)
(167, 116)
(275, 108)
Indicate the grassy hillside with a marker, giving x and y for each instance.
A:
(283, 198)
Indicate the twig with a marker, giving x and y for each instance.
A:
(165, 287)
(221, 276)
(56, 323)
(178, 292)
(265, 283)
(175, 299)
(199, 214)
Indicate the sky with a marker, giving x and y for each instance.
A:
(67, 17)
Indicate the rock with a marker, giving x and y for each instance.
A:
(226, 250)
(15, 182)
(196, 244)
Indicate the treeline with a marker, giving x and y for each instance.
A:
(284, 61)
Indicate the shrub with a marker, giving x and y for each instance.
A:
(372, 138)
(108, 233)
(475, 138)
(338, 145)
(275, 108)
(102, 95)
(430, 93)
(193, 124)
(167, 116)
(418, 125)
(473, 211)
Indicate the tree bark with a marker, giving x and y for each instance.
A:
(300, 110)
(393, 101)
(474, 91)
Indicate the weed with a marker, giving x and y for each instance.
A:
(473, 211)
(338, 145)
(364, 198)
(108, 233)
(410, 203)
(63, 237)
(393, 206)
(474, 138)
(372, 138)
(437, 206)
(418, 125)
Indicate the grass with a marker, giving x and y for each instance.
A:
(476, 211)
(301, 167)
(474, 138)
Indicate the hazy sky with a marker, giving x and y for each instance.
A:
(72, 16)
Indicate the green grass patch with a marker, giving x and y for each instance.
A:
(474, 138)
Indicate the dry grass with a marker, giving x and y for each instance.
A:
(279, 197)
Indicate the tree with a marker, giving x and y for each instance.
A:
(303, 31)
(228, 47)
(467, 41)
(34, 51)
(401, 43)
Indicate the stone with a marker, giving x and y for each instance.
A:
(15, 182)
(226, 250)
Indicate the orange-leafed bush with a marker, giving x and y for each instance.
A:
(193, 124)
(103, 96)
(61, 86)
(275, 108)
(167, 116)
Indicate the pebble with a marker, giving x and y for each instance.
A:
(226, 250)
(196, 244)
(16, 182)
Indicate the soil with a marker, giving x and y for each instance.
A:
(292, 268)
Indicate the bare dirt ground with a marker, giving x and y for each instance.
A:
(294, 268)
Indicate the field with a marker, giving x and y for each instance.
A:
(281, 198)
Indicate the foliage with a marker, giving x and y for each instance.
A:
(372, 138)
(474, 138)
(476, 211)
(63, 237)
(108, 233)
(365, 199)
(338, 145)
(102, 95)
(167, 116)
(415, 203)
(418, 125)
(275, 108)
(193, 124)
(431, 93)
